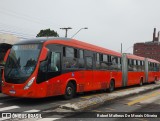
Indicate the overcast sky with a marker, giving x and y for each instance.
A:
(109, 22)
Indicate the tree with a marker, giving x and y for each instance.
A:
(47, 33)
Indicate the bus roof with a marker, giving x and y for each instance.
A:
(70, 42)
(40, 40)
(152, 60)
(131, 56)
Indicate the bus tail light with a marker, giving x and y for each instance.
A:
(29, 84)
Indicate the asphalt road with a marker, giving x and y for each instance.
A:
(21, 105)
(139, 103)
(146, 104)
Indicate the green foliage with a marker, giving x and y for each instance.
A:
(47, 33)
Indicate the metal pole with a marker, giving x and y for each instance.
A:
(66, 32)
(121, 47)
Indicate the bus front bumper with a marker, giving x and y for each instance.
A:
(17, 90)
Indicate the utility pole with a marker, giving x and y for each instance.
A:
(66, 29)
(121, 47)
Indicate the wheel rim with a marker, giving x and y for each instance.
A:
(69, 91)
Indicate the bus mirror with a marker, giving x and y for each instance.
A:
(43, 55)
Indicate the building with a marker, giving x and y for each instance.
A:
(8, 38)
(6, 41)
(149, 49)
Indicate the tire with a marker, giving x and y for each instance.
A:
(70, 91)
(155, 80)
(111, 86)
(141, 82)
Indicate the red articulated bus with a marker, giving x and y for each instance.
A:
(46, 67)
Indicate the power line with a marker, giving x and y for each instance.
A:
(25, 17)
(21, 37)
(17, 15)
(26, 30)
(15, 33)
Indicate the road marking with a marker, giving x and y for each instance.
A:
(109, 108)
(32, 111)
(87, 97)
(9, 108)
(143, 98)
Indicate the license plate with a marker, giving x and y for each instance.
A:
(12, 91)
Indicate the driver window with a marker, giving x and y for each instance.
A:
(54, 64)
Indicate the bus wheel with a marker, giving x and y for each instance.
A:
(111, 86)
(70, 91)
(155, 80)
(141, 82)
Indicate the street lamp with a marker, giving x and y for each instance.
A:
(127, 49)
(79, 31)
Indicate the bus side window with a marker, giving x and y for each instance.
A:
(81, 59)
(89, 62)
(75, 53)
(134, 65)
(54, 63)
(97, 61)
(64, 51)
(114, 63)
(71, 58)
(119, 63)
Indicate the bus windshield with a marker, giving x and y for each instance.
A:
(21, 62)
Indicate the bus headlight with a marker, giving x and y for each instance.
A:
(29, 83)
(2, 83)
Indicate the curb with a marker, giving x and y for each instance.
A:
(100, 99)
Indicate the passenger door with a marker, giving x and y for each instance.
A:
(89, 70)
(89, 73)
